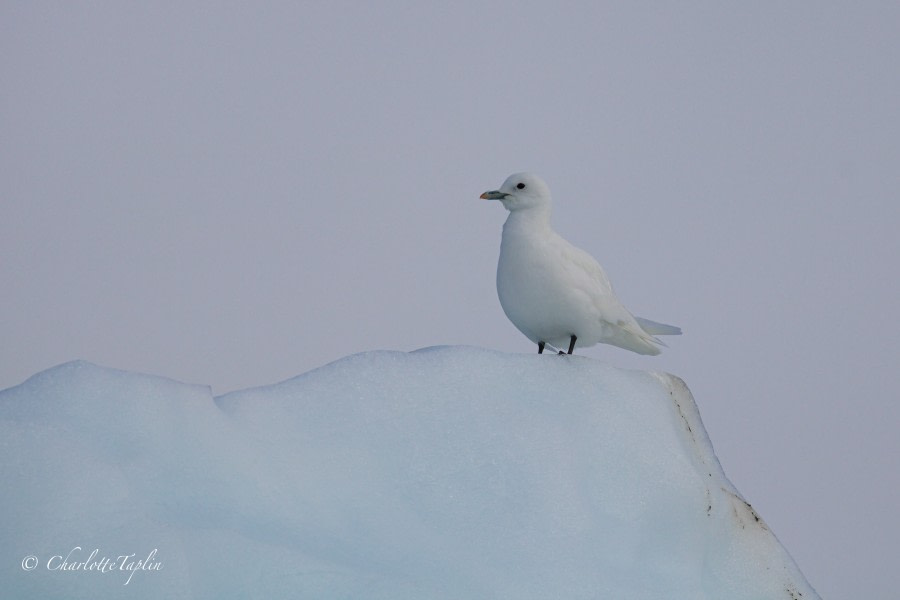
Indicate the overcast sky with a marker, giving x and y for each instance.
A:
(234, 194)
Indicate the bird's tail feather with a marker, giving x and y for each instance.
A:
(654, 328)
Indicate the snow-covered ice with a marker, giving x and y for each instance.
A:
(447, 472)
(553, 292)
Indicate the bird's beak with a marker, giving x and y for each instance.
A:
(494, 195)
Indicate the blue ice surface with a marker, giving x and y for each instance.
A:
(448, 472)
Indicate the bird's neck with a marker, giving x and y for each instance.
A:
(528, 221)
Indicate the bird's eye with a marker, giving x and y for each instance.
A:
(520, 186)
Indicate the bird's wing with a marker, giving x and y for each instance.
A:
(584, 270)
(586, 275)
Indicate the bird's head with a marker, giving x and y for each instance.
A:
(521, 191)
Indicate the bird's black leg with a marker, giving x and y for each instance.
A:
(572, 343)
(540, 347)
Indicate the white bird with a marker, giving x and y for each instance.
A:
(553, 292)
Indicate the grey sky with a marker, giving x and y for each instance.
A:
(233, 195)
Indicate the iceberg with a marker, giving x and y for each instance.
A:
(448, 472)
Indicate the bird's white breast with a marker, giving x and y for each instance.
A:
(543, 300)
